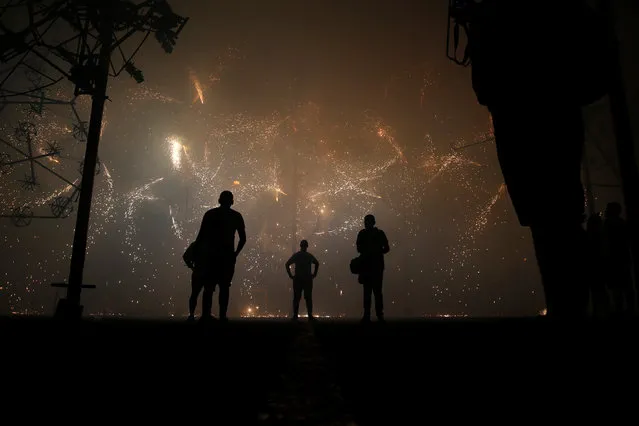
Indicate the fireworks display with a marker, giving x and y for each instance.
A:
(306, 168)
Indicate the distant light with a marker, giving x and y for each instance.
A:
(236, 182)
(175, 151)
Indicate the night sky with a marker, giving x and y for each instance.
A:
(314, 114)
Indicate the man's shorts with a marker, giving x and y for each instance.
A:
(217, 272)
(304, 285)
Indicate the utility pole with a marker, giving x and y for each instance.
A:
(70, 307)
(97, 28)
(623, 133)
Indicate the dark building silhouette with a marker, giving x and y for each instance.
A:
(534, 88)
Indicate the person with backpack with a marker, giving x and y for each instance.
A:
(372, 245)
(213, 255)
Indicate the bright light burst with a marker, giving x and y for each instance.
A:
(175, 151)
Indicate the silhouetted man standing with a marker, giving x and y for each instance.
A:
(372, 245)
(216, 253)
(534, 66)
(303, 278)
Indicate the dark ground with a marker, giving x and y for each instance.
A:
(276, 372)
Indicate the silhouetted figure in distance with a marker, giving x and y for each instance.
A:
(598, 293)
(216, 254)
(372, 245)
(303, 279)
(534, 66)
(618, 261)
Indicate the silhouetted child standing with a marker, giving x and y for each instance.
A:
(197, 283)
(303, 278)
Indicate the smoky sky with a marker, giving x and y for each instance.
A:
(373, 80)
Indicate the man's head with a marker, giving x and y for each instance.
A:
(304, 245)
(226, 199)
(613, 209)
(369, 221)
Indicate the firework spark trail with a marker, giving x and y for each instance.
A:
(102, 210)
(461, 256)
(109, 203)
(275, 186)
(133, 200)
(349, 184)
(383, 132)
(175, 225)
(199, 93)
(145, 93)
(445, 162)
(344, 171)
(56, 193)
(482, 218)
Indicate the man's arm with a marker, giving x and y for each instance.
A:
(316, 263)
(385, 245)
(288, 266)
(203, 227)
(359, 242)
(241, 232)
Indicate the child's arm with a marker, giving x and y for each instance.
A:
(189, 255)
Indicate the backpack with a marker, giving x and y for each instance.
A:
(356, 265)
(189, 255)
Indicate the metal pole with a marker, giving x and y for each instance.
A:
(71, 308)
(623, 133)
